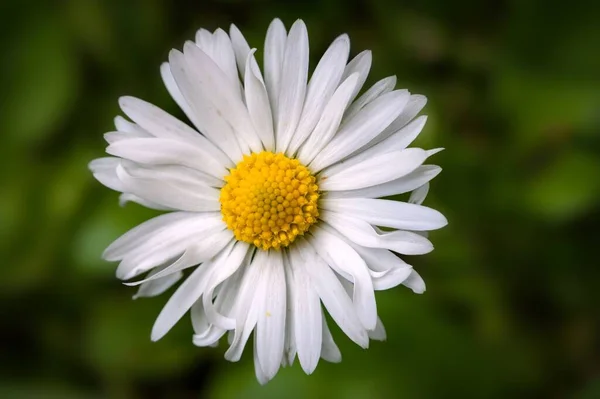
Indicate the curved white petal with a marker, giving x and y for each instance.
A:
(334, 297)
(379, 169)
(362, 233)
(113, 137)
(415, 104)
(198, 88)
(329, 122)
(169, 152)
(257, 102)
(126, 197)
(124, 126)
(415, 283)
(250, 298)
(227, 267)
(323, 82)
(385, 85)
(224, 56)
(396, 142)
(306, 315)
(175, 187)
(395, 214)
(390, 269)
(173, 89)
(360, 64)
(411, 181)
(273, 61)
(342, 257)
(292, 85)
(241, 49)
(329, 350)
(185, 296)
(358, 131)
(418, 196)
(270, 327)
(156, 121)
(224, 101)
(105, 171)
(157, 228)
(378, 334)
(157, 286)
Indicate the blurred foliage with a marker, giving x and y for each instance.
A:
(513, 285)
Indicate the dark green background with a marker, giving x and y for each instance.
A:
(511, 308)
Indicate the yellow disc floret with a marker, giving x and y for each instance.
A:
(269, 199)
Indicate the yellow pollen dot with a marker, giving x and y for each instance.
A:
(269, 199)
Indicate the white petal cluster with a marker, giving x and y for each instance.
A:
(357, 148)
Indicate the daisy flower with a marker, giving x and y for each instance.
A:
(275, 199)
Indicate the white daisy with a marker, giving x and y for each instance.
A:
(274, 199)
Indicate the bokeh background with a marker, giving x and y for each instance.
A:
(512, 306)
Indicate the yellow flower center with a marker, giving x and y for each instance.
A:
(269, 199)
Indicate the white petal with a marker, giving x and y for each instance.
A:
(362, 233)
(396, 142)
(341, 256)
(290, 347)
(227, 267)
(330, 121)
(413, 107)
(226, 107)
(292, 85)
(257, 102)
(167, 152)
(415, 283)
(182, 300)
(105, 171)
(383, 86)
(157, 286)
(224, 56)
(324, 81)
(207, 334)
(167, 224)
(273, 60)
(418, 196)
(329, 350)
(193, 255)
(211, 334)
(167, 245)
(270, 328)
(156, 121)
(241, 50)
(261, 376)
(126, 197)
(379, 169)
(378, 334)
(123, 125)
(206, 117)
(113, 137)
(249, 301)
(360, 64)
(147, 257)
(307, 316)
(205, 40)
(390, 270)
(358, 131)
(395, 214)
(334, 297)
(173, 89)
(171, 186)
(411, 181)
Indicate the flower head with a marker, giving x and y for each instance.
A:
(274, 199)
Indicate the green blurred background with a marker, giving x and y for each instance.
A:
(513, 293)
